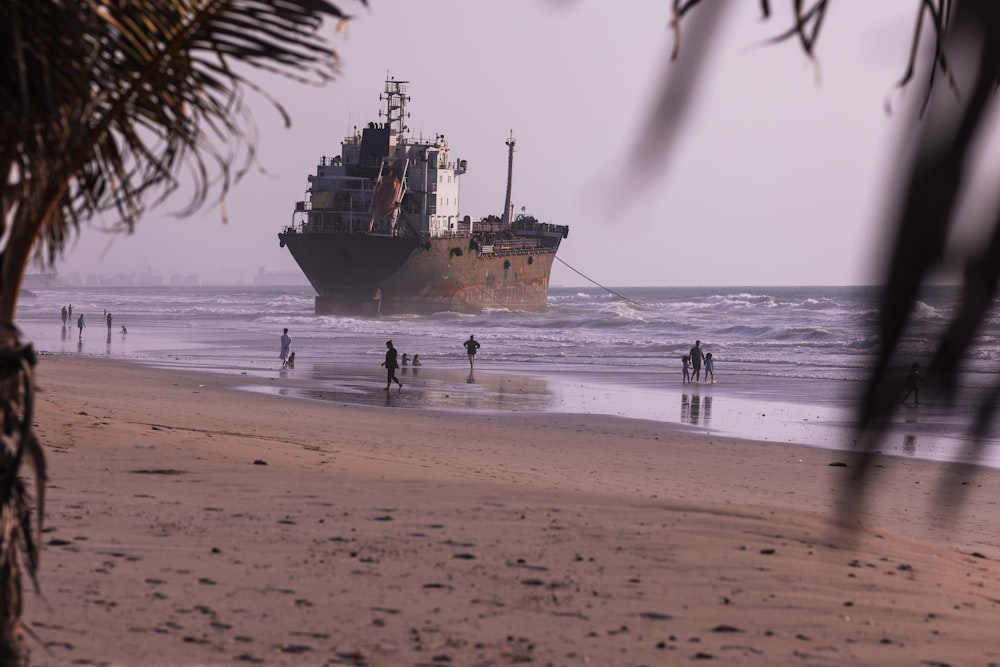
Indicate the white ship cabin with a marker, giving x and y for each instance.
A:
(384, 184)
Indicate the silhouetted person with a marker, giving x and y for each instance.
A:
(80, 325)
(108, 317)
(391, 365)
(697, 356)
(471, 346)
(686, 367)
(65, 315)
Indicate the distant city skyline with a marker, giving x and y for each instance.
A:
(149, 278)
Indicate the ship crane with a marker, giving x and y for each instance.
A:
(505, 220)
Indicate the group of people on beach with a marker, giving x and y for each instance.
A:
(391, 364)
(392, 358)
(67, 315)
(692, 362)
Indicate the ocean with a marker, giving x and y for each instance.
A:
(789, 361)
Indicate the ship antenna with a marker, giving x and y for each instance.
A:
(395, 99)
(510, 174)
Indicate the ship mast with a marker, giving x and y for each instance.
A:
(395, 99)
(510, 173)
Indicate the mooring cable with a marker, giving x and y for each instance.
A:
(606, 289)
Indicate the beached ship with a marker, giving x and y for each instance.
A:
(380, 230)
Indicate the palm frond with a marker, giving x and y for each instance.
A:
(100, 123)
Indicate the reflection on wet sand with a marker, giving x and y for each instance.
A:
(696, 409)
(434, 388)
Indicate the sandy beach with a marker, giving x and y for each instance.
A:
(191, 523)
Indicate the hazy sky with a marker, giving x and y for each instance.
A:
(779, 177)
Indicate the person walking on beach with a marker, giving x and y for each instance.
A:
(709, 368)
(697, 356)
(686, 366)
(471, 346)
(913, 384)
(286, 347)
(80, 325)
(65, 315)
(391, 365)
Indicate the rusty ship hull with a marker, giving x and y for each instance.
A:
(372, 275)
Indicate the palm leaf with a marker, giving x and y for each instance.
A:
(101, 124)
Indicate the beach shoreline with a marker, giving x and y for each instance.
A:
(191, 522)
(803, 410)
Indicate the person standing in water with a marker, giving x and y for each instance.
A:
(286, 347)
(80, 324)
(697, 356)
(391, 365)
(471, 346)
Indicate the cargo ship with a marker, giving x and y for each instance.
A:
(380, 231)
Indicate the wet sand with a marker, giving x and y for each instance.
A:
(189, 522)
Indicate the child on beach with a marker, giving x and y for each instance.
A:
(686, 365)
(709, 368)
